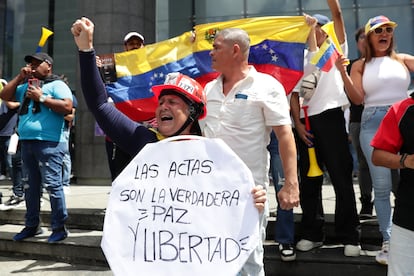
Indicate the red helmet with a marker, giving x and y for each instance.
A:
(185, 86)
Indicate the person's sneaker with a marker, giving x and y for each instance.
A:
(28, 232)
(14, 201)
(287, 252)
(3, 177)
(351, 250)
(306, 245)
(382, 256)
(58, 235)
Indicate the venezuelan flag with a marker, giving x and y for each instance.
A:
(329, 28)
(329, 51)
(325, 58)
(277, 45)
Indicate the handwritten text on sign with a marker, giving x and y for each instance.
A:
(182, 205)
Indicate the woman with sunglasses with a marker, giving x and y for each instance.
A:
(377, 81)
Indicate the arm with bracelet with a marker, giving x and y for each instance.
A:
(393, 147)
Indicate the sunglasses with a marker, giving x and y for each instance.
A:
(380, 30)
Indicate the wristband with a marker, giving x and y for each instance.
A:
(42, 98)
(402, 160)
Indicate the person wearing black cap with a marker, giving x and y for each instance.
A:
(40, 57)
(45, 99)
(330, 140)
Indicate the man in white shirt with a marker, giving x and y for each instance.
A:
(243, 107)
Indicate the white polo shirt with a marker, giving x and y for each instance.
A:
(243, 118)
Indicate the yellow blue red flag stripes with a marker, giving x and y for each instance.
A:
(325, 58)
(277, 45)
(329, 29)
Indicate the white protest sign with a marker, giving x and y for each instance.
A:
(181, 208)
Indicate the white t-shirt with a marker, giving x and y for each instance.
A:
(244, 117)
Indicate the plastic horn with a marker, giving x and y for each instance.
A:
(314, 169)
(45, 35)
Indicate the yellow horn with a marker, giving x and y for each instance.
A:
(314, 169)
(45, 35)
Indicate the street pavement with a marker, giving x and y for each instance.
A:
(19, 266)
(80, 197)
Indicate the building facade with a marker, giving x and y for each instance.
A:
(157, 20)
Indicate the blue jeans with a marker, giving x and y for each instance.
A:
(4, 160)
(13, 165)
(17, 172)
(276, 168)
(285, 224)
(67, 167)
(381, 176)
(364, 177)
(43, 161)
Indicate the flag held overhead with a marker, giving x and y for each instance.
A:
(277, 47)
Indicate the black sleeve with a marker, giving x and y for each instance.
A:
(127, 134)
(5, 117)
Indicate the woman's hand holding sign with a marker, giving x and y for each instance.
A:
(259, 196)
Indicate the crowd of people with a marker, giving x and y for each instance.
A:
(251, 113)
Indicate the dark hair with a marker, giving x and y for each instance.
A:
(195, 129)
(369, 49)
(358, 33)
